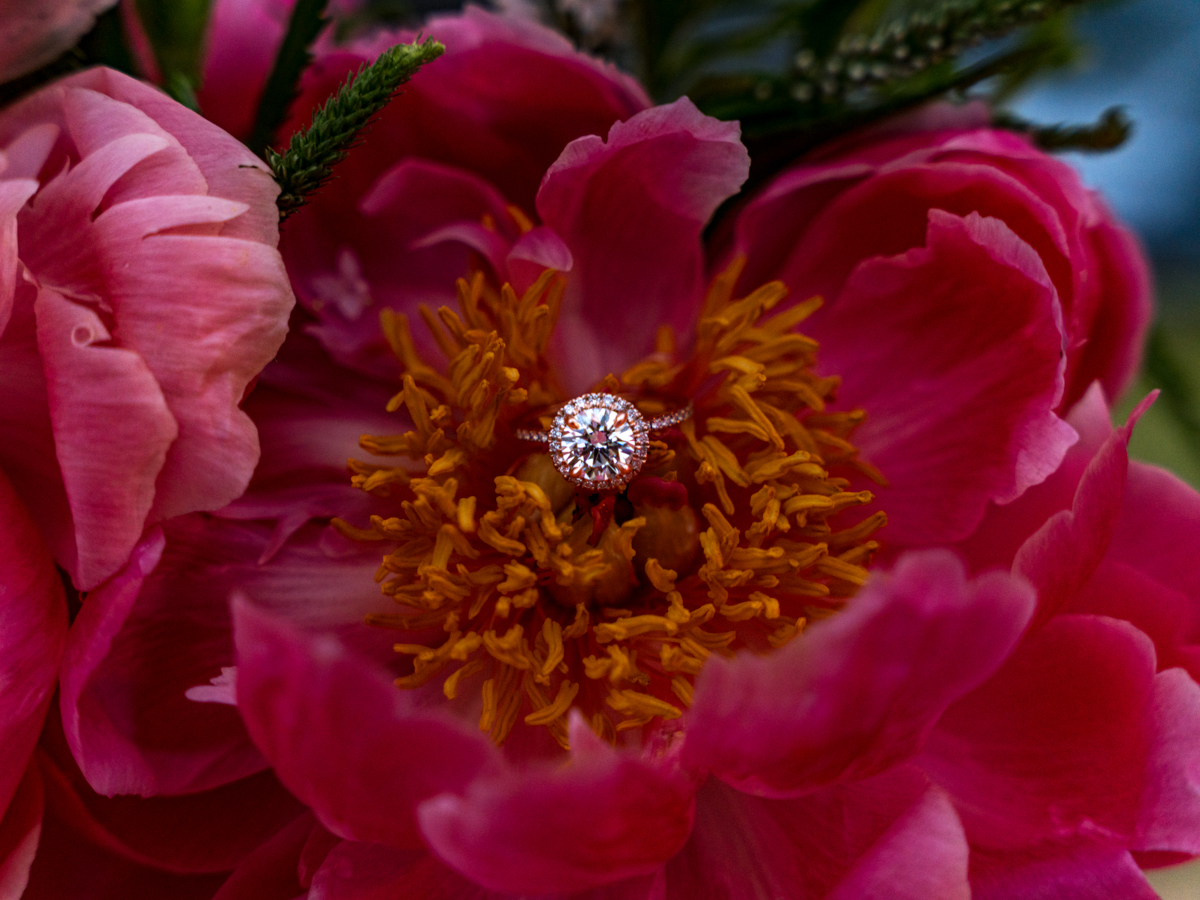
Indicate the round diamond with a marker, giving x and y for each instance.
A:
(599, 441)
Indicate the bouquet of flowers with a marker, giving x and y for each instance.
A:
(627, 450)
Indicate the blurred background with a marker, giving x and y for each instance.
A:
(1145, 55)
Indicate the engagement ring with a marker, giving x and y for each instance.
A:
(599, 441)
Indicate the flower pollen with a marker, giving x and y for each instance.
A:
(538, 597)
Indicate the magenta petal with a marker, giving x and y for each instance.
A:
(128, 665)
(534, 252)
(605, 816)
(1060, 557)
(1053, 747)
(859, 692)
(112, 431)
(631, 209)
(20, 830)
(332, 728)
(1170, 814)
(972, 412)
(33, 630)
(1082, 873)
(891, 836)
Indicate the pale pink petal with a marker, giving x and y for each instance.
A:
(1055, 746)
(631, 209)
(534, 252)
(33, 630)
(112, 431)
(33, 34)
(860, 691)
(20, 830)
(606, 815)
(891, 836)
(971, 411)
(332, 727)
(13, 194)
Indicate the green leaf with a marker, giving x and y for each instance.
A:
(1169, 374)
(176, 32)
(305, 25)
(336, 127)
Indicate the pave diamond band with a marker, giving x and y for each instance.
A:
(600, 441)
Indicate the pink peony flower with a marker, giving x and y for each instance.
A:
(140, 293)
(34, 34)
(703, 691)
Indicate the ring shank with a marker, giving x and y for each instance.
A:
(673, 418)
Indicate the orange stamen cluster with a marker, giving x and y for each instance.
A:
(502, 586)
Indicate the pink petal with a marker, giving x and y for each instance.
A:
(859, 692)
(20, 831)
(972, 413)
(631, 209)
(503, 102)
(162, 627)
(242, 40)
(332, 727)
(384, 249)
(33, 35)
(1054, 746)
(33, 630)
(1062, 555)
(112, 432)
(13, 194)
(890, 836)
(605, 816)
(534, 252)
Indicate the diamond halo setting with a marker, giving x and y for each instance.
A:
(599, 441)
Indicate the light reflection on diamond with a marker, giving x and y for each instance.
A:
(599, 441)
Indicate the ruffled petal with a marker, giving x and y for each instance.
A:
(972, 412)
(112, 432)
(1054, 747)
(857, 693)
(161, 628)
(33, 630)
(1169, 819)
(32, 35)
(332, 727)
(361, 257)
(605, 816)
(631, 208)
(1061, 556)
(893, 835)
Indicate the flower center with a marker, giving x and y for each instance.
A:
(535, 595)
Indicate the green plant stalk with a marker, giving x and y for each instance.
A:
(336, 127)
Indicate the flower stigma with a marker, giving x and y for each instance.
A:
(534, 597)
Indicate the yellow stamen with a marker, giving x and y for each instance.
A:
(488, 542)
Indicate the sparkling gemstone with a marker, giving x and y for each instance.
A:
(599, 441)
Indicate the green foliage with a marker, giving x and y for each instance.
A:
(305, 25)
(1107, 133)
(1164, 370)
(176, 32)
(308, 161)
